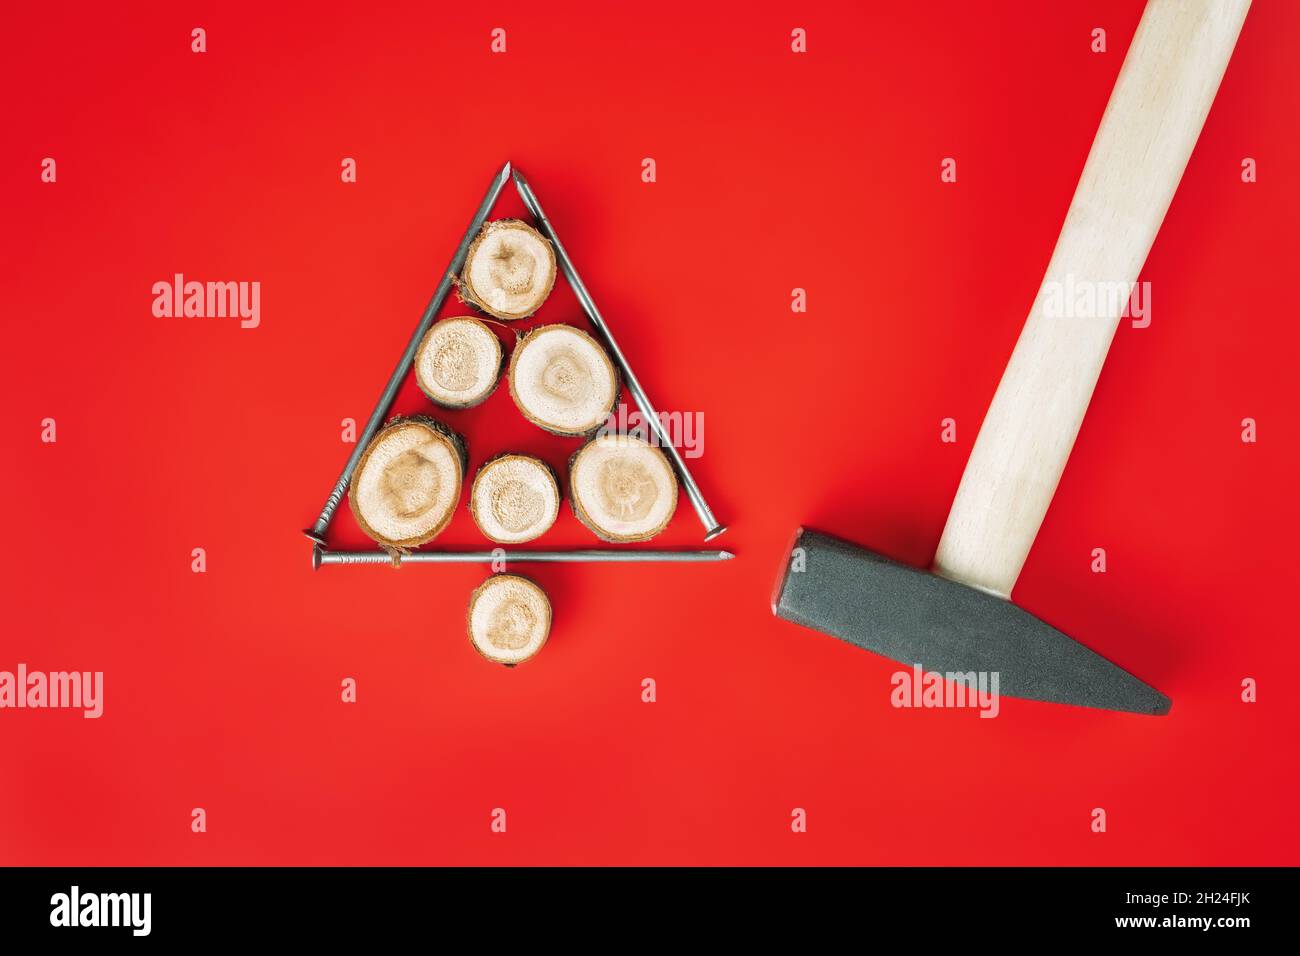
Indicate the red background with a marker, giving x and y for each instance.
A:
(775, 171)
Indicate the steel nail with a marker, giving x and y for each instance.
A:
(317, 531)
(711, 526)
(321, 556)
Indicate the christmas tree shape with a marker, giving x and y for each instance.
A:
(322, 554)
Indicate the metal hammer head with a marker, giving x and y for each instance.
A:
(918, 618)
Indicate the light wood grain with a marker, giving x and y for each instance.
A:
(1155, 114)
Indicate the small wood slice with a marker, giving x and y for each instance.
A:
(562, 380)
(514, 498)
(509, 270)
(509, 618)
(408, 481)
(459, 362)
(622, 488)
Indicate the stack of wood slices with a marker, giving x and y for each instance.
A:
(410, 477)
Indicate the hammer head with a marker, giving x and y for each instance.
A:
(918, 618)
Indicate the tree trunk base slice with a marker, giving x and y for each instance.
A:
(408, 482)
(509, 618)
(509, 270)
(622, 488)
(514, 498)
(459, 362)
(562, 380)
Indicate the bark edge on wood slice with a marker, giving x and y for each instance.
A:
(459, 362)
(514, 498)
(408, 481)
(508, 618)
(563, 381)
(622, 488)
(509, 270)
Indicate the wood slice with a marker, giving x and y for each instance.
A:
(514, 498)
(509, 270)
(562, 380)
(622, 488)
(459, 362)
(408, 482)
(509, 618)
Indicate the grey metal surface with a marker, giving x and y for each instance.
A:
(711, 526)
(915, 617)
(317, 531)
(516, 556)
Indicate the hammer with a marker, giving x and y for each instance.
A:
(958, 618)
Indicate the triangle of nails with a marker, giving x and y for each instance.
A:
(321, 554)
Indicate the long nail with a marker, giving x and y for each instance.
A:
(317, 531)
(711, 526)
(321, 556)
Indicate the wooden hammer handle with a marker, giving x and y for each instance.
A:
(1151, 123)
